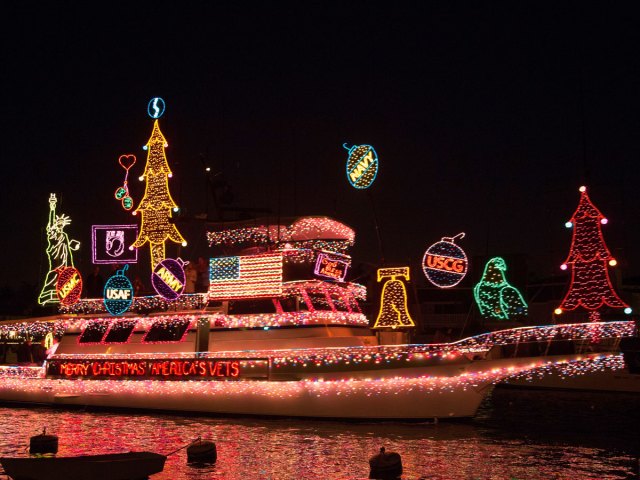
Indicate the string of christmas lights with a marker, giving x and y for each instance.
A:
(319, 388)
(383, 355)
(577, 331)
(325, 233)
(19, 371)
(187, 301)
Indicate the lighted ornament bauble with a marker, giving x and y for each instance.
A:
(122, 193)
(118, 293)
(156, 106)
(362, 165)
(68, 286)
(445, 263)
(168, 278)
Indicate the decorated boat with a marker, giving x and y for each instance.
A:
(281, 331)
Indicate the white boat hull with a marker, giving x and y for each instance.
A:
(447, 391)
(357, 399)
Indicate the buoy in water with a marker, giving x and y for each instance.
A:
(385, 466)
(202, 451)
(43, 443)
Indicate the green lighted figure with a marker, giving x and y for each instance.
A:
(59, 251)
(494, 296)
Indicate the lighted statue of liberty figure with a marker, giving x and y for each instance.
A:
(59, 251)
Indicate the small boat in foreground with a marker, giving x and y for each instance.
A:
(115, 466)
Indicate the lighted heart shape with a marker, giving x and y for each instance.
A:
(127, 161)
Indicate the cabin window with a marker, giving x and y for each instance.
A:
(167, 331)
(94, 331)
(339, 303)
(120, 331)
(239, 307)
(319, 301)
(293, 304)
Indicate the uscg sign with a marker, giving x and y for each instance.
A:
(445, 263)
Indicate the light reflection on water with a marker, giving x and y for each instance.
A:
(517, 435)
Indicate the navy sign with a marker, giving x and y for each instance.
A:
(118, 293)
(362, 165)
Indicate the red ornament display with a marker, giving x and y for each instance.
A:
(588, 260)
(68, 286)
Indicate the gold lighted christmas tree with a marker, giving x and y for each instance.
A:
(156, 206)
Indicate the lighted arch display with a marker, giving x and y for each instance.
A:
(362, 165)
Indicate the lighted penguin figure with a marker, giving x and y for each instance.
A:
(393, 300)
(494, 296)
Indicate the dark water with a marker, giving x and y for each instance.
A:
(517, 435)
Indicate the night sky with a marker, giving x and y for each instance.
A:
(486, 119)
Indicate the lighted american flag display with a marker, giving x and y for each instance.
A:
(245, 277)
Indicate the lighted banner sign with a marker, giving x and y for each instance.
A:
(328, 266)
(252, 276)
(169, 278)
(68, 286)
(111, 243)
(444, 263)
(362, 165)
(160, 369)
(118, 293)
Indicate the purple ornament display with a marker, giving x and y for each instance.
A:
(168, 278)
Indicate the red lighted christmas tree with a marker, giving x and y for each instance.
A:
(589, 259)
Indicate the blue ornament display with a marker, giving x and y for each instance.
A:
(118, 293)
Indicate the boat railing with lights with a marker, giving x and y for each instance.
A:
(558, 339)
(181, 338)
